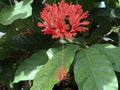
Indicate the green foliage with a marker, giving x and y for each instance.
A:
(48, 71)
(112, 53)
(86, 5)
(94, 70)
(28, 41)
(6, 53)
(29, 68)
(7, 74)
(20, 10)
(26, 54)
(110, 3)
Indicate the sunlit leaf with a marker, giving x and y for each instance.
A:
(112, 53)
(93, 71)
(29, 68)
(46, 77)
(20, 10)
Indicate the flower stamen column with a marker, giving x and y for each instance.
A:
(61, 74)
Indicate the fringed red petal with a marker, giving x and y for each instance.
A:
(63, 20)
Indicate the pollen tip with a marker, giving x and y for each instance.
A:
(61, 73)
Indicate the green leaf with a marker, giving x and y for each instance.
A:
(6, 53)
(18, 26)
(27, 41)
(93, 71)
(7, 74)
(117, 12)
(29, 68)
(86, 4)
(0, 67)
(20, 10)
(6, 2)
(46, 77)
(119, 38)
(112, 53)
(111, 3)
(99, 27)
(118, 3)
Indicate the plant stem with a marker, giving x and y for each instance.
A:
(62, 53)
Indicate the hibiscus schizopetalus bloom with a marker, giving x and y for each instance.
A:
(62, 20)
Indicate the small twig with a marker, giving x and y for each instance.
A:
(10, 3)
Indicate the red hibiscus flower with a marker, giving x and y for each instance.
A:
(63, 20)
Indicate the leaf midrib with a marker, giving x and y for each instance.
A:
(90, 65)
